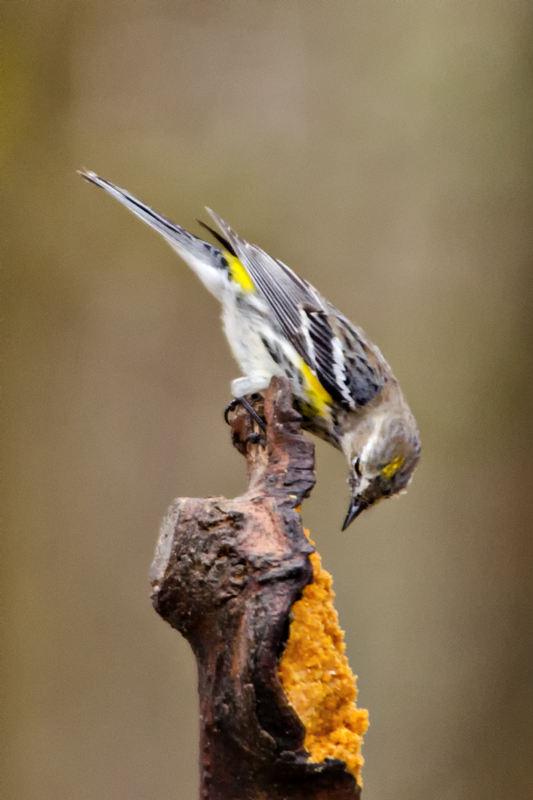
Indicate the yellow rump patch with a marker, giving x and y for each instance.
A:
(238, 273)
(319, 399)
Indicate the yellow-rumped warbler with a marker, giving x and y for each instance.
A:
(278, 324)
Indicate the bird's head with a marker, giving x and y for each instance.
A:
(383, 450)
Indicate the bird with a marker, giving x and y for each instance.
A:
(277, 323)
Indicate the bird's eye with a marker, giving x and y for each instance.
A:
(357, 467)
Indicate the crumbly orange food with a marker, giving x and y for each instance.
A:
(317, 679)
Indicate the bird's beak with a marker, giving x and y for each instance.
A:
(357, 504)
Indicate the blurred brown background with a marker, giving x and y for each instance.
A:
(382, 149)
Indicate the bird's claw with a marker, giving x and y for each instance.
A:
(229, 408)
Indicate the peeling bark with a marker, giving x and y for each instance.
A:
(225, 574)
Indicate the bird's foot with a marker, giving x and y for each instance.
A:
(242, 401)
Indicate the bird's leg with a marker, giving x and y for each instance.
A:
(249, 408)
(252, 412)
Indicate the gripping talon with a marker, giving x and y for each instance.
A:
(229, 408)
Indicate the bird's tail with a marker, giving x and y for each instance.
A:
(205, 259)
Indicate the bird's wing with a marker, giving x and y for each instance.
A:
(311, 325)
(282, 289)
(363, 370)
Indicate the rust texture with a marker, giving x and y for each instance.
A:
(225, 574)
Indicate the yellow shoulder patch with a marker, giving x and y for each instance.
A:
(238, 273)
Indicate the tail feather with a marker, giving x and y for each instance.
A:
(205, 259)
(158, 221)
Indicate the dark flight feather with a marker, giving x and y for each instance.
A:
(220, 239)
